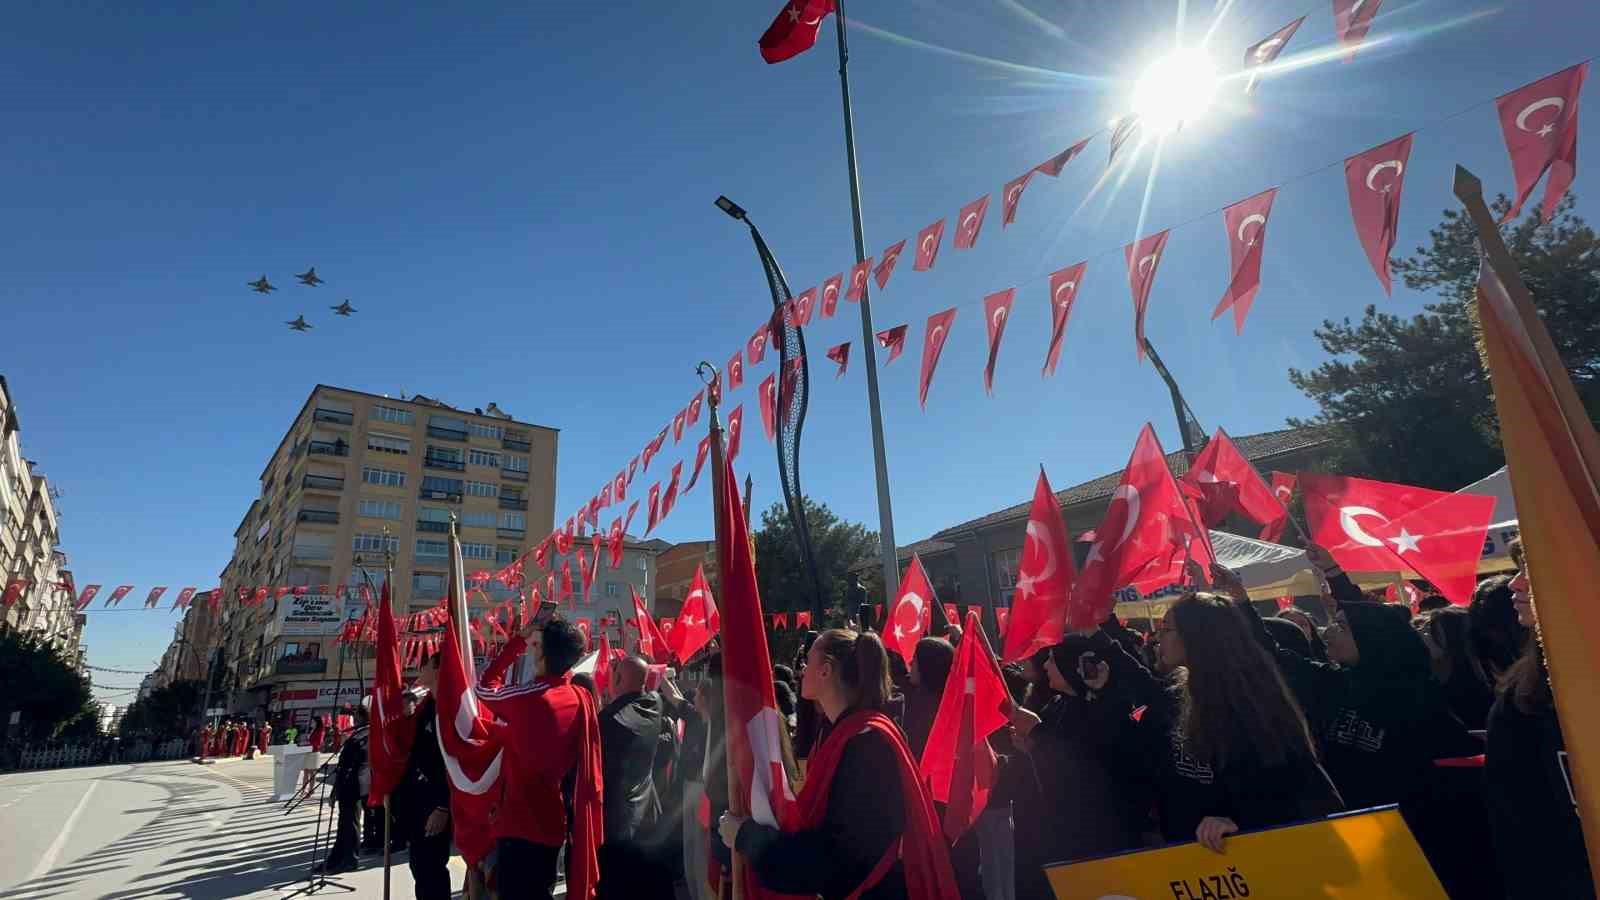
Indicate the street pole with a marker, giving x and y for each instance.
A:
(891, 563)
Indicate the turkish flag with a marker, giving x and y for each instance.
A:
(694, 406)
(885, 265)
(566, 581)
(154, 597)
(806, 302)
(678, 421)
(605, 499)
(118, 593)
(596, 541)
(928, 246)
(1540, 125)
(633, 465)
(1246, 222)
(619, 490)
(756, 349)
(14, 589)
(87, 597)
(1002, 616)
(1264, 51)
(1142, 257)
(996, 311)
(1044, 578)
(563, 538)
(1283, 485)
(933, 342)
(1011, 195)
(1374, 179)
(911, 612)
(736, 370)
(957, 764)
(794, 30)
(187, 594)
(768, 391)
(1377, 526)
(1145, 523)
(894, 340)
(698, 621)
(627, 519)
(969, 221)
(602, 662)
(735, 431)
(858, 281)
(653, 448)
(614, 541)
(1351, 21)
(652, 645)
(669, 498)
(1063, 291)
(1220, 462)
(758, 785)
(840, 353)
(653, 508)
(700, 454)
(1055, 164)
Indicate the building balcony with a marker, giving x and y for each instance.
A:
(446, 496)
(425, 525)
(319, 516)
(513, 475)
(315, 554)
(322, 483)
(333, 417)
(510, 443)
(517, 533)
(437, 462)
(513, 503)
(291, 666)
(327, 448)
(449, 434)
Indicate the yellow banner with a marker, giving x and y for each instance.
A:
(1366, 855)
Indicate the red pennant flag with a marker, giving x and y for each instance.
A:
(1264, 51)
(802, 619)
(87, 597)
(392, 731)
(14, 589)
(1351, 21)
(1002, 616)
(700, 454)
(697, 622)
(619, 490)
(769, 404)
(154, 596)
(1142, 257)
(780, 621)
(996, 310)
(806, 302)
(911, 613)
(653, 508)
(605, 496)
(1063, 291)
(1283, 485)
(1220, 462)
(633, 464)
(564, 539)
(1055, 164)
(1376, 526)
(583, 574)
(840, 353)
(694, 406)
(1011, 195)
(736, 370)
(932, 346)
(957, 764)
(670, 497)
(794, 30)
(122, 590)
(858, 280)
(183, 598)
(1045, 575)
(678, 421)
(735, 431)
(1374, 179)
(756, 348)
(951, 615)
(893, 340)
(830, 296)
(886, 265)
(614, 539)
(652, 645)
(1143, 524)
(928, 246)
(1540, 125)
(753, 724)
(1122, 129)
(1246, 222)
(566, 582)
(652, 448)
(969, 221)
(540, 552)
(602, 662)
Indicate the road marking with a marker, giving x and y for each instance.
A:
(48, 860)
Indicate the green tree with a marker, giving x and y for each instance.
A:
(165, 712)
(1405, 399)
(40, 684)
(836, 544)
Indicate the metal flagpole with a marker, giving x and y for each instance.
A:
(891, 563)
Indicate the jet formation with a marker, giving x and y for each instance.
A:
(309, 278)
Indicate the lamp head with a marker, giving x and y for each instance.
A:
(731, 208)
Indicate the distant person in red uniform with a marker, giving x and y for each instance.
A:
(263, 737)
(241, 739)
(203, 742)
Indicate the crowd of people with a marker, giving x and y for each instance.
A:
(1214, 722)
(231, 736)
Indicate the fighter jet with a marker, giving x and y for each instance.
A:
(299, 324)
(309, 277)
(261, 285)
(343, 309)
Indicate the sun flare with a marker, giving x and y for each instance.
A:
(1175, 89)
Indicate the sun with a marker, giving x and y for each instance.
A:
(1176, 88)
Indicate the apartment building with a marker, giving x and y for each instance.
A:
(357, 480)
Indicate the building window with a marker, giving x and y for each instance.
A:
(383, 477)
(447, 427)
(435, 484)
(393, 414)
(433, 514)
(483, 489)
(613, 589)
(388, 443)
(1005, 566)
(380, 509)
(432, 548)
(477, 551)
(374, 543)
(514, 520)
(493, 432)
(639, 561)
(503, 555)
(483, 458)
(478, 519)
(427, 584)
(514, 463)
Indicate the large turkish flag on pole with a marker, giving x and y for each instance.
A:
(697, 622)
(795, 29)
(1044, 578)
(391, 731)
(1220, 462)
(911, 613)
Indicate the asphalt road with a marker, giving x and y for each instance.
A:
(164, 829)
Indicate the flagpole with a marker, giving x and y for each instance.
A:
(887, 552)
(388, 585)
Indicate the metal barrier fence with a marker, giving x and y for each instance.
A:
(57, 756)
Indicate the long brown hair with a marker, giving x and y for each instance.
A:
(1235, 704)
(863, 665)
(1527, 680)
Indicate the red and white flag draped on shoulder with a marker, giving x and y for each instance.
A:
(389, 745)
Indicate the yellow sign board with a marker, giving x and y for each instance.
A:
(1364, 855)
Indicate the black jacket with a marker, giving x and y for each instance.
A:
(633, 736)
(347, 772)
(425, 786)
(1537, 839)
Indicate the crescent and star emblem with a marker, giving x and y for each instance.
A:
(1264, 52)
(1556, 103)
(1151, 259)
(1065, 286)
(924, 245)
(1395, 164)
(938, 335)
(1349, 520)
(1260, 220)
(860, 277)
(829, 291)
(1036, 538)
(999, 317)
(969, 217)
(1283, 492)
(1129, 495)
(1011, 195)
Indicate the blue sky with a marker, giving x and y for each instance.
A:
(518, 200)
